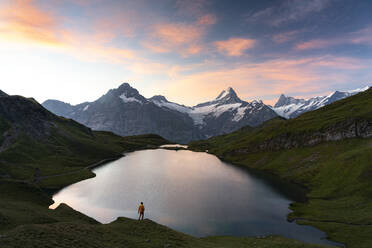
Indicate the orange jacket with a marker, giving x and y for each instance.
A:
(141, 209)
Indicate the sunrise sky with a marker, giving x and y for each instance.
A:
(76, 50)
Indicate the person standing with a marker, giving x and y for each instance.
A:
(141, 211)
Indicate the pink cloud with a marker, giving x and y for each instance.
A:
(286, 36)
(207, 19)
(316, 44)
(234, 46)
(23, 20)
(183, 38)
(363, 36)
(30, 24)
(175, 34)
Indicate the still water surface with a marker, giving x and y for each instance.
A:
(192, 192)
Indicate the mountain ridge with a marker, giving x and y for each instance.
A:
(290, 107)
(135, 114)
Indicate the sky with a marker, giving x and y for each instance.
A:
(188, 51)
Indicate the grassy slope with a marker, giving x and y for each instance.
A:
(26, 221)
(337, 173)
(66, 146)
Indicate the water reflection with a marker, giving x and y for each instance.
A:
(192, 192)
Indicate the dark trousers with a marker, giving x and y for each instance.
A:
(141, 216)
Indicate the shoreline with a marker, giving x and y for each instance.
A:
(258, 172)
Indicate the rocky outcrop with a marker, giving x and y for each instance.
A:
(340, 131)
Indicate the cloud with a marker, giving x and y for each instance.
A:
(316, 44)
(234, 46)
(174, 34)
(191, 8)
(360, 37)
(174, 37)
(208, 19)
(288, 11)
(286, 36)
(30, 24)
(180, 37)
(23, 20)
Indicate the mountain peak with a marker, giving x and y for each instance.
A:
(281, 101)
(227, 92)
(159, 98)
(126, 89)
(125, 92)
(125, 86)
(2, 93)
(228, 96)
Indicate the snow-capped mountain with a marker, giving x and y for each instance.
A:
(125, 112)
(289, 107)
(225, 114)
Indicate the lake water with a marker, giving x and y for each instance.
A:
(192, 192)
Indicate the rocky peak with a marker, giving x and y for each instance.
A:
(228, 96)
(126, 89)
(124, 92)
(287, 100)
(158, 98)
(283, 100)
(2, 93)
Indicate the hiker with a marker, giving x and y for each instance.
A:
(141, 211)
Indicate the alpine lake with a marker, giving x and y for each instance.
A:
(191, 192)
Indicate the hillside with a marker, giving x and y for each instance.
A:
(31, 137)
(329, 151)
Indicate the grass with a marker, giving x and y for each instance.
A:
(338, 173)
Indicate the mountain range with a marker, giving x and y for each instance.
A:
(290, 107)
(125, 111)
